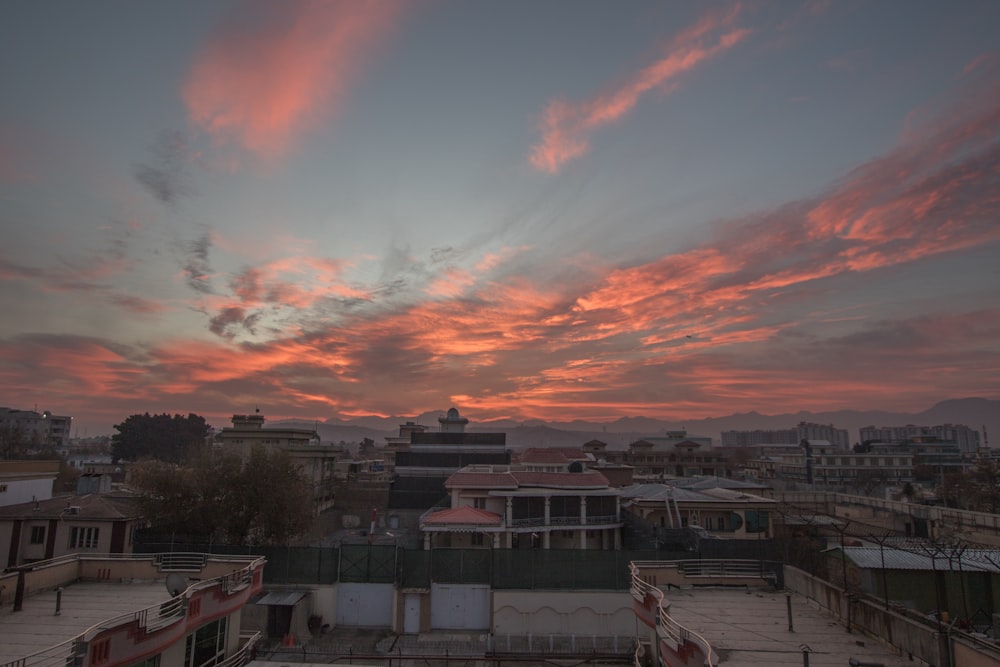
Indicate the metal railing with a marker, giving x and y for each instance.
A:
(666, 626)
(150, 619)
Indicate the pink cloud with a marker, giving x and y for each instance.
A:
(275, 71)
(566, 127)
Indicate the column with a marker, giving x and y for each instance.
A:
(496, 540)
(583, 510)
(427, 541)
(548, 509)
(546, 539)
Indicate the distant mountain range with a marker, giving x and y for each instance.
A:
(976, 413)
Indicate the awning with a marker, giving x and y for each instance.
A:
(282, 598)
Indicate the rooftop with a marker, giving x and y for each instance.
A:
(751, 628)
(84, 605)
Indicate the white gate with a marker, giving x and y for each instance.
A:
(364, 605)
(460, 607)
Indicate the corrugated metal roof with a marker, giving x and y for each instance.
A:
(969, 560)
(282, 598)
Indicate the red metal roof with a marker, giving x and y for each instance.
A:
(463, 516)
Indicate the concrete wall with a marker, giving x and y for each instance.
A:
(581, 613)
(907, 635)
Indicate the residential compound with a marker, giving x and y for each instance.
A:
(551, 502)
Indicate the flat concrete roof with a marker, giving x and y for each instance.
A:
(84, 604)
(752, 629)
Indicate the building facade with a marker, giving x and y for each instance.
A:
(35, 430)
(46, 529)
(838, 437)
(512, 507)
(966, 438)
(318, 462)
(422, 465)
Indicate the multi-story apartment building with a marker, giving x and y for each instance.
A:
(35, 430)
(823, 464)
(838, 437)
(316, 460)
(422, 465)
(966, 438)
(554, 506)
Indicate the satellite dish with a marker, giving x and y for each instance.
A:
(176, 584)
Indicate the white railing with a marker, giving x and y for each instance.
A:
(666, 626)
(150, 619)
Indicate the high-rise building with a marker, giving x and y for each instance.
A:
(966, 438)
(838, 437)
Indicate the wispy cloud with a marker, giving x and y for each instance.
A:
(566, 126)
(274, 71)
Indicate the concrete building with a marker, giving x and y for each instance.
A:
(422, 465)
(317, 461)
(675, 455)
(24, 481)
(515, 507)
(838, 437)
(37, 430)
(720, 512)
(46, 529)
(966, 438)
(147, 611)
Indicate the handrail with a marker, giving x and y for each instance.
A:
(670, 627)
(150, 619)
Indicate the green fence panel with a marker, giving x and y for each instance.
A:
(415, 569)
(368, 563)
(461, 566)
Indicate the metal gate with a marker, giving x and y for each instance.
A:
(460, 607)
(364, 605)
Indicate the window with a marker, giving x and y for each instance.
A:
(38, 535)
(477, 539)
(3, 488)
(207, 645)
(100, 651)
(149, 662)
(83, 538)
(479, 503)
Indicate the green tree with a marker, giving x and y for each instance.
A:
(263, 500)
(161, 437)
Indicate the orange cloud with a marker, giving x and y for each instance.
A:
(278, 70)
(566, 127)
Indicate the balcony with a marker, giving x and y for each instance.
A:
(566, 521)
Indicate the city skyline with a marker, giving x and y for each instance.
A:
(531, 211)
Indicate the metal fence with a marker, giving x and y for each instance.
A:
(512, 569)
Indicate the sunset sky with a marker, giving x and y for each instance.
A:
(560, 209)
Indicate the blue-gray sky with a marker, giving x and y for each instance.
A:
(527, 209)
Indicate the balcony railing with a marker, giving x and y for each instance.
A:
(598, 520)
(148, 620)
(675, 634)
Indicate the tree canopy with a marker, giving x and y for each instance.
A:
(263, 500)
(161, 437)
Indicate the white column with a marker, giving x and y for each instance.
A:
(496, 540)
(583, 510)
(427, 541)
(548, 509)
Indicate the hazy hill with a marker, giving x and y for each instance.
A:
(973, 412)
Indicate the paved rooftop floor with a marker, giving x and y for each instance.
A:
(84, 604)
(752, 629)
